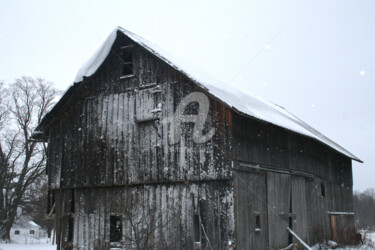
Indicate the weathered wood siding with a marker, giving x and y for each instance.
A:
(110, 136)
(263, 143)
(109, 152)
(171, 208)
(250, 196)
(296, 169)
(110, 140)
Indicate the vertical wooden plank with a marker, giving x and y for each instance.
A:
(76, 239)
(114, 138)
(104, 139)
(278, 200)
(164, 211)
(299, 208)
(97, 139)
(119, 159)
(250, 202)
(109, 141)
(80, 220)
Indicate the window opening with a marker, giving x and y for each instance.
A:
(115, 229)
(127, 61)
(323, 189)
(257, 223)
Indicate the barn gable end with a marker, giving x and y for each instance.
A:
(110, 142)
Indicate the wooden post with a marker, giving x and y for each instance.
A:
(332, 219)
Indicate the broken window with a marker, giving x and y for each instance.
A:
(115, 229)
(70, 229)
(127, 61)
(323, 189)
(257, 221)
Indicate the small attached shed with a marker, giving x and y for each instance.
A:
(145, 150)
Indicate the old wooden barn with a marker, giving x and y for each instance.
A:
(146, 152)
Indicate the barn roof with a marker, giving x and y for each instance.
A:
(239, 101)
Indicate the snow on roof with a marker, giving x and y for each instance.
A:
(33, 224)
(24, 222)
(244, 103)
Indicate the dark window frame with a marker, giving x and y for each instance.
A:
(197, 228)
(32, 231)
(127, 61)
(115, 228)
(257, 221)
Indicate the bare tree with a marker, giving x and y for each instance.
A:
(36, 201)
(22, 160)
(145, 225)
(364, 209)
(3, 107)
(144, 229)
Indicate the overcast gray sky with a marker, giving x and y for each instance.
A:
(316, 58)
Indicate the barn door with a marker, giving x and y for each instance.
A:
(251, 210)
(299, 208)
(286, 198)
(280, 215)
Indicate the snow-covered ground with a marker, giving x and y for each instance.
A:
(45, 244)
(15, 246)
(369, 244)
(32, 244)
